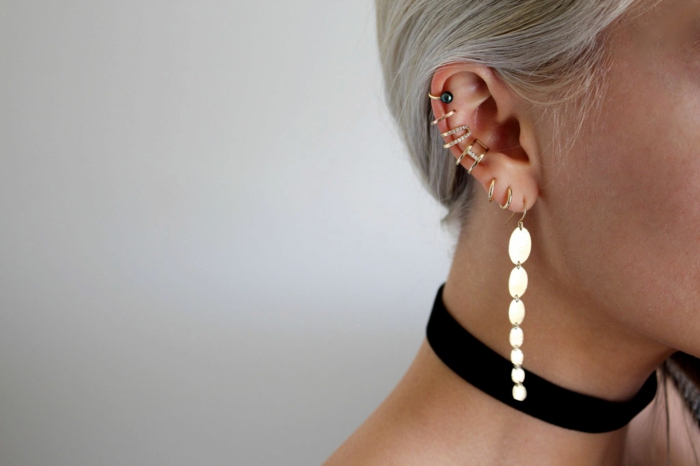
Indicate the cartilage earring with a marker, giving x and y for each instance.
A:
(446, 115)
(445, 97)
(519, 250)
(468, 151)
(493, 183)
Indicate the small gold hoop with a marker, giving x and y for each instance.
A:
(433, 97)
(446, 115)
(475, 163)
(493, 184)
(456, 130)
(510, 198)
(458, 140)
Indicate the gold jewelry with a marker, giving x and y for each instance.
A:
(475, 163)
(510, 198)
(519, 248)
(457, 141)
(471, 153)
(493, 183)
(456, 130)
(445, 97)
(459, 160)
(446, 115)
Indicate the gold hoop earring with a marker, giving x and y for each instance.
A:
(446, 115)
(510, 198)
(519, 248)
(493, 184)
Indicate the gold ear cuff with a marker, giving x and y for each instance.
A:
(447, 97)
(446, 115)
(468, 151)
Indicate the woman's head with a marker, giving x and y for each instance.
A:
(546, 51)
(591, 111)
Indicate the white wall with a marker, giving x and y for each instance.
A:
(213, 249)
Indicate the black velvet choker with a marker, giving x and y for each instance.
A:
(490, 372)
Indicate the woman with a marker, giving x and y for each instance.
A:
(581, 118)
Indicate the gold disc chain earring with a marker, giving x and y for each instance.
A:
(519, 249)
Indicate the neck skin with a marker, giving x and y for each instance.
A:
(438, 418)
(566, 341)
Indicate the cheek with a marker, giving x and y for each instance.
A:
(631, 190)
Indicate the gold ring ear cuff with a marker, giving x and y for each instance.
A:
(446, 97)
(446, 115)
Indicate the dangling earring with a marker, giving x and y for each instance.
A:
(519, 250)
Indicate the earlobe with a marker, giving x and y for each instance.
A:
(481, 124)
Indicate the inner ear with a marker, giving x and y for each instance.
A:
(493, 119)
(504, 135)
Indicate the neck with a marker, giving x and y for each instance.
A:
(568, 341)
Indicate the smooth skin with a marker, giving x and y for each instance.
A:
(614, 273)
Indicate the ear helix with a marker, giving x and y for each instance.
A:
(446, 97)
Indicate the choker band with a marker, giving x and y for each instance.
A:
(490, 372)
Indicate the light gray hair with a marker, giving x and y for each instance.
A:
(547, 51)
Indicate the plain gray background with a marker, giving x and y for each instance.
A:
(213, 249)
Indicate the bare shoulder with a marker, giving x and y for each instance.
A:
(403, 429)
(384, 439)
(369, 447)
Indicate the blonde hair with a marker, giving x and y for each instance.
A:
(547, 51)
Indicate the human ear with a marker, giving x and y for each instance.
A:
(498, 119)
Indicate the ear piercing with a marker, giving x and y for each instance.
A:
(468, 151)
(456, 130)
(446, 115)
(445, 97)
(510, 198)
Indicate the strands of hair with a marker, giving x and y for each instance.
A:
(684, 370)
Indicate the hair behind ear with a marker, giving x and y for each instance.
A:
(684, 370)
(547, 51)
